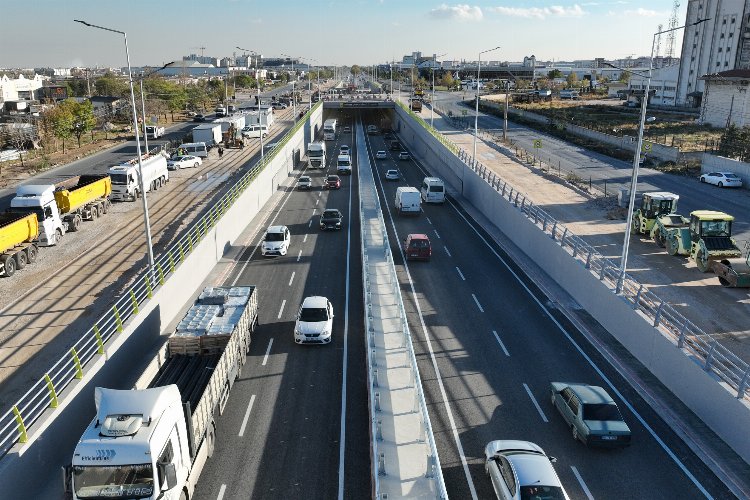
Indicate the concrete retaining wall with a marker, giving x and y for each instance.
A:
(713, 163)
(710, 400)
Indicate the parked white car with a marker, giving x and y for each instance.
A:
(186, 161)
(722, 179)
(276, 241)
(521, 470)
(314, 321)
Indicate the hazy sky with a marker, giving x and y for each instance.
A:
(333, 32)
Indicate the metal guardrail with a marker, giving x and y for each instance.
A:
(710, 354)
(16, 422)
(379, 247)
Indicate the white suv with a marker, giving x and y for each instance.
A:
(314, 321)
(276, 241)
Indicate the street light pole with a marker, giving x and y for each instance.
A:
(637, 158)
(476, 110)
(147, 223)
(143, 114)
(432, 104)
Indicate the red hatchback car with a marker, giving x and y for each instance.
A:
(333, 182)
(417, 247)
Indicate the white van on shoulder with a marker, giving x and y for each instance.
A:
(433, 190)
(408, 200)
(193, 149)
(254, 131)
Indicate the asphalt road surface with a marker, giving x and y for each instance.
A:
(488, 346)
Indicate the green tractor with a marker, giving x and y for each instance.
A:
(653, 206)
(707, 238)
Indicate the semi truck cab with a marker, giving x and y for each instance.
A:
(41, 201)
(124, 182)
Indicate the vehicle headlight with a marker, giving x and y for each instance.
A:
(338, 223)
(325, 333)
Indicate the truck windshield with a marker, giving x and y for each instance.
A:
(716, 228)
(119, 178)
(116, 481)
(316, 154)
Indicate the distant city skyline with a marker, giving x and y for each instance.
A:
(336, 32)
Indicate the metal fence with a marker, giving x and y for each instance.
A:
(710, 354)
(376, 247)
(16, 422)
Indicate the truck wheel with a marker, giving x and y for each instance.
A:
(672, 246)
(704, 265)
(75, 224)
(9, 263)
(31, 254)
(105, 206)
(58, 236)
(95, 212)
(21, 259)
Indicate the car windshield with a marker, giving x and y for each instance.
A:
(601, 412)
(274, 236)
(304, 179)
(313, 314)
(332, 178)
(331, 214)
(117, 481)
(542, 493)
(716, 228)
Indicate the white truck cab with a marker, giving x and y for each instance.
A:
(125, 184)
(136, 447)
(41, 200)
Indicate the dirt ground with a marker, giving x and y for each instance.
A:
(723, 313)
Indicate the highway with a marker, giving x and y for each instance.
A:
(488, 347)
(599, 167)
(283, 433)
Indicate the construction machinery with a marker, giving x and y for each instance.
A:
(734, 273)
(653, 206)
(708, 238)
(664, 224)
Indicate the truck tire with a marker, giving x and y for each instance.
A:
(75, 223)
(31, 254)
(105, 206)
(94, 212)
(21, 260)
(9, 263)
(58, 236)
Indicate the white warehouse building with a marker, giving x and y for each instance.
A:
(725, 99)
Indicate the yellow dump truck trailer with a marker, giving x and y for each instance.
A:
(78, 192)
(18, 236)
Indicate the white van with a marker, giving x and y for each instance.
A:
(408, 200)
(255, 131)
(344, 165)
(433, 190)
(194, 149)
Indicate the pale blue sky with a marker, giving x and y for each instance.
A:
(333, 32)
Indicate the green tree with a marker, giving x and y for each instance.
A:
(60, 121)
(82, 117)
(110, 85)
(196, 97)
(555, 73)
(355, 70)
(572, 80)
(447, 80)
(244, 81)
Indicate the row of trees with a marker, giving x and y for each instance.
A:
(735, 143)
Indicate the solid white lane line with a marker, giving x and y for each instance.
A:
(304, 240)
(247, 415)
(447, 251)
(345, 355)
(291, 278)
(476, 301)
(281, 309)
(591, 363)
(268, 351)
(497, 337)
(222, 490)
(436, 233)
(460, 273)
(585, 488)
(536, 404)
(299, 255)
(428, 220)
(443, 394)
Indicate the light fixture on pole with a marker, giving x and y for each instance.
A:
(432, 103)
(149, 249)
(476, 110)
(637, 158)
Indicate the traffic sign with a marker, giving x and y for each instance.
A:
(646, 147)
(537, 143)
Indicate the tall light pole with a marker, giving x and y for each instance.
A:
(143, 114)
(294, 97)
(257, 84)
(637, 157)
(432, 104)
(476, 109)
(146, 222)
(390, 89)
